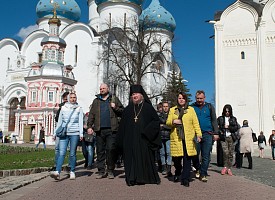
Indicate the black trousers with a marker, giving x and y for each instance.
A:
(106, 150)
(249, 158)
(184, 170)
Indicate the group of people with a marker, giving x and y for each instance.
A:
(183, 134)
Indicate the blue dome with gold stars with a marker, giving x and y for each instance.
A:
(156, 16)
(65, 9)
(138, 2)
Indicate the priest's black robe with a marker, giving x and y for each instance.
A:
(139, 140)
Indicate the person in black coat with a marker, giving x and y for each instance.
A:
(228, 126)
(41, 138)
(138, 138)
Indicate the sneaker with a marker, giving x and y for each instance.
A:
(224, 170)
(89, 168)
(72, 176)
(229, 172)
(198, 174)
(203, 178)
(100, 176)
(55, 175)
(111, 175)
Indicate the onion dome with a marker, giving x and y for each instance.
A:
(138, 2)
(68, 9)
(156, 16)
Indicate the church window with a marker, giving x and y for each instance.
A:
(52, 55)
(125, 17)
(110, 20)
(60, 56)
(39, 57)
(76, 52)
(9, 60)
(50, 96)
(33, 97)
(242, 55)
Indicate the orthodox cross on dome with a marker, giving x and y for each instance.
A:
(55, 6)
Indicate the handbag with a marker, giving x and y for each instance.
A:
(88, 137)
(61, 131)
(254, 137)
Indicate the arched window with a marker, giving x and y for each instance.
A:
(76, 52)
(13, 107)
(242, 55)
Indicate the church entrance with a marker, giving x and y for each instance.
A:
(27, 133)
(13, 107)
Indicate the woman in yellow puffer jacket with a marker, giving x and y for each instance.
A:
(184, 135)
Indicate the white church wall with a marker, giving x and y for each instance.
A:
(85, 70)
(117, 14)
(31, 47)
(237, 76)
(8, 52)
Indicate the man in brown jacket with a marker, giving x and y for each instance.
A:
(103, 120)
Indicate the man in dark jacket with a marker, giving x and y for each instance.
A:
(271, 142)
(165, 130)
(103, 119)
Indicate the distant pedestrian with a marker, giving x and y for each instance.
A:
(41, 138)
(271, 143)
(261, 144)
(71, 114)
(246, 144)
(88, 144)
(228, 126)
(1, 136)
(165, 154)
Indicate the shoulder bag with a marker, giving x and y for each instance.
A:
(61, 131)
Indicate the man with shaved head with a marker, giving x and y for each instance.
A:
(103, 121)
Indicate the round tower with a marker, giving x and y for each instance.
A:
(118, 13)
(157, 19)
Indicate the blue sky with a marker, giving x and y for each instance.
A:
(193, 49)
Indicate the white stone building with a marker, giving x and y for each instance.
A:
(245, 62)
(83, 47)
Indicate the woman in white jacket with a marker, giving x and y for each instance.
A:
(74, 134)
(246, 143)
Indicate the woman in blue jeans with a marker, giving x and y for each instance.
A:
(72, 115)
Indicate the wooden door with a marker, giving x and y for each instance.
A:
(27, 134)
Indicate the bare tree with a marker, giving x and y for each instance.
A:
(135, 55)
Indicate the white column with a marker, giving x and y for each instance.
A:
(218, 63)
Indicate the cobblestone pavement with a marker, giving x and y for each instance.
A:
(258, 183)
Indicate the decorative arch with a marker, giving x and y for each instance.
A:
(9, 41)
(77, 26)
(236, 5)
(34, 35)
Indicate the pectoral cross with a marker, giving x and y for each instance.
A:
(136, 118)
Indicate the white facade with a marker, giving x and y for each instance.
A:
(82, 52)
(245, 62)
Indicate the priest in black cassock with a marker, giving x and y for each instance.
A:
(139, 138)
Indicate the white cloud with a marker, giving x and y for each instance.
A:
(25, 31)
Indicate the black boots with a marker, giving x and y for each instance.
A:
(163, 170)
(169, 173)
